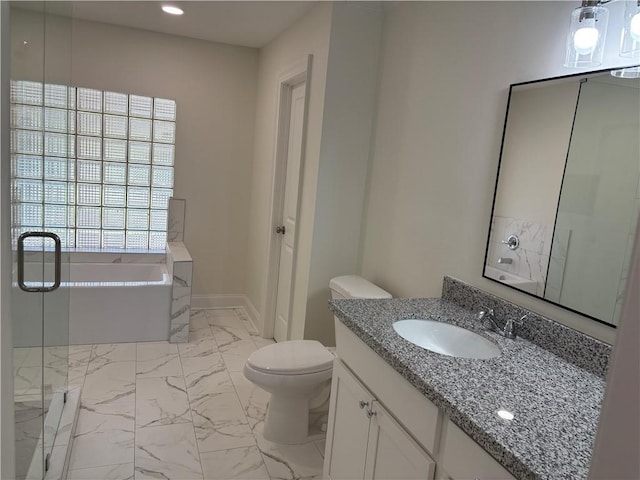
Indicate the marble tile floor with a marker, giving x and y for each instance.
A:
(28, 426)
(34, 388)
(179, 411)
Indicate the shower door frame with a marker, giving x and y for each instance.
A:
(45, 313)
(7, 433)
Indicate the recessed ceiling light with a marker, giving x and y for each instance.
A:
(172, 9)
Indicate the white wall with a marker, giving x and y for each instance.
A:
(214, 86)
(444, 77)
(344, 157)
(7, 445)
(600, 200)
(534, 154)
(344, 41)
(310, 35)
(615, 454)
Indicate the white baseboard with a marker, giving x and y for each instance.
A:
(252, 314)
(228, 301)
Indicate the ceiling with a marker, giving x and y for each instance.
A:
(246, 23)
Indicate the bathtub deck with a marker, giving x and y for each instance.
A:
(183, 410)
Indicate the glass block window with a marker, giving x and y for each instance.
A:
(94, 167)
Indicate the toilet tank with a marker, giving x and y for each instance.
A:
(353, 286)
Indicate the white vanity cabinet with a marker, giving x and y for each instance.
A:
(402, 439)
(364, 440)
(461, 458)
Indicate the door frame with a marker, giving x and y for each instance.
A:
(298, 73)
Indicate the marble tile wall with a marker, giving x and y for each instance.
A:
(175, 223)
(180, 267)
(531, 259)
(628, 254)
(558, 260)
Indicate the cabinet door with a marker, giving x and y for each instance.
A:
(462, 458)
(392, 454)
(348, 426)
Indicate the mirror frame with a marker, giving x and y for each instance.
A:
(495, 190)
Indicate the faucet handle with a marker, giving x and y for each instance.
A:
(509, 330)
(486, 316)
(509, 327)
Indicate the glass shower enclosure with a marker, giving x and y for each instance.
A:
(42, 165)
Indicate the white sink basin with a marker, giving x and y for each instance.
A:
(445, 338)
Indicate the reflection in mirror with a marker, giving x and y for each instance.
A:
(568, 189)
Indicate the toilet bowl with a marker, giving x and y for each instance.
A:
(293, 373)
(297, 373)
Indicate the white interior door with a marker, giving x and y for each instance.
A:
(287, 227)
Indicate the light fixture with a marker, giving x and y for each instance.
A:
(172, 10)
(627, 72)
(587, 33)
(588, 30)
(630, 38)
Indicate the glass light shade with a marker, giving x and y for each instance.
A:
(587, 33)
(628, 72)
(630, 37)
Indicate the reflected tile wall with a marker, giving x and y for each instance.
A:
(555, 277)
(622, 286)
(180, 266)
(531, 259)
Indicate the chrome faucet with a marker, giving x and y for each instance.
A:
(487, 318)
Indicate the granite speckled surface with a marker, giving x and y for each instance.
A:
(573, 346)
(556, 404)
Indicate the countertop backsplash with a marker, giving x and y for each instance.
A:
(571, 345)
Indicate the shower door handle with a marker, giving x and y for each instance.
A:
(57, 261)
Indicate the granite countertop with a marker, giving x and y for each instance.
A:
(556, 404)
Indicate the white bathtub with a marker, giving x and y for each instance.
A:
(107, 303)
(116, 302)
(512, 279)
(117, 274)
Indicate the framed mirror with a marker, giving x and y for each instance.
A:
(567, 195)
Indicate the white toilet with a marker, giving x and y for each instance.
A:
(297, 373)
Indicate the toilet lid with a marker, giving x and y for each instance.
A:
(293, 357)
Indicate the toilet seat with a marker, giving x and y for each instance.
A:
(294, 357)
